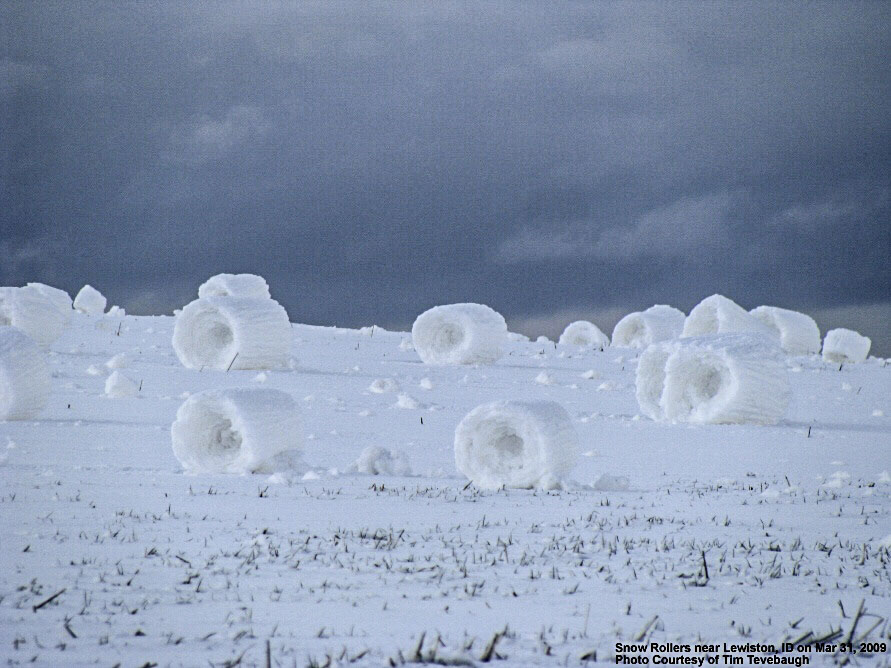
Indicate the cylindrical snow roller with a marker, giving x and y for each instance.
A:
(60, 299)
(643, 328)
(516, 444)
(459, 334)
(235, 430)
(798, 332)
(33, 313)
(232, 333)
(845, 345)
(719, 379)
(234, 285)
(585, 334)
(90, 301)
(650, 380)
(719, 315)
(24, 376)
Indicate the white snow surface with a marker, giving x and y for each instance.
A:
(155, 565)
(235, 430)
(585, 334)
(33, 313)
(845, 345)
(232, 333)
(90, 301)
(24, 376)
(234, 285)
(516, 444)
(459, 334)
(641, 329)
(719, 315)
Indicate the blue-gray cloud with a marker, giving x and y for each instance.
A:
(373, 159)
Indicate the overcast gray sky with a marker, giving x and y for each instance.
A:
(371, 160)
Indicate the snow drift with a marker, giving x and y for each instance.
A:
(657, 323)
(90, 301)
(234, 285)
(845, 345)
(719, 379)
(33, 313)
(232, 332)
(24, 376)
(798, 332)
(235, 430)
(516, 444)
(719, 315)
(584, 333)
(459, 334)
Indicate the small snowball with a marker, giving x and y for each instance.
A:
(376, 460)
(425, 384)
(406, 401)
(611, 483)
(90, 301)
(119, 361)
(382, 385)
(117, 386)
(544, 378)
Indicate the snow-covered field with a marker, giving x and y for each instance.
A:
(111, 554)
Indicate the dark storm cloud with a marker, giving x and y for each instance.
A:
(372, 160)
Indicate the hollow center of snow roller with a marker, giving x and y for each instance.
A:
(224, 438)
(500, 448)
(447, 336)
(702, 379)
(213, 340)
(212, 438)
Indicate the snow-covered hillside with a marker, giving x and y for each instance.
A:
(682, 533)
